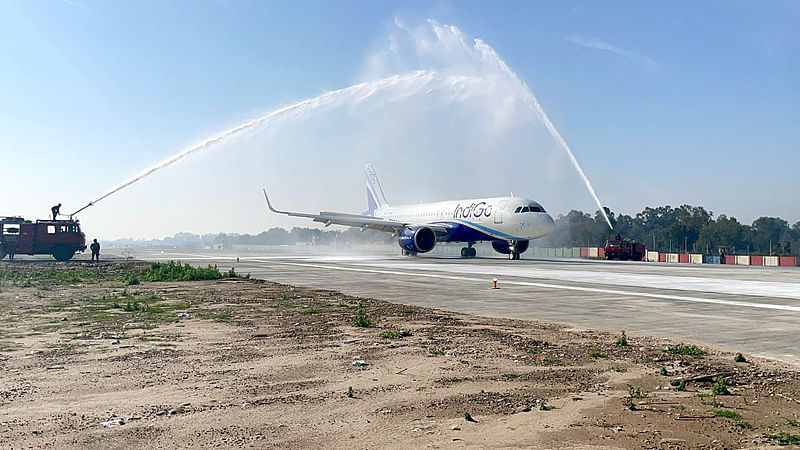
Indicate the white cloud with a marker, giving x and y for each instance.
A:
(597, 44)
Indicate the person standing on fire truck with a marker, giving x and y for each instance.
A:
(55, 210)
(95, 248)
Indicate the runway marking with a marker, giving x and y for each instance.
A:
(552, 286)
(670, 282)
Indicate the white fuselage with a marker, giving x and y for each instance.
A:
(498, 218)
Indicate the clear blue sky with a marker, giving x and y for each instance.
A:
(663, 103)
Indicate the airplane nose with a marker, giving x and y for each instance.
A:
(549, 224)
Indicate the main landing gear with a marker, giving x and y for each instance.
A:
(469, 251)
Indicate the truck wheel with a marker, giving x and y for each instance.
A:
(63, 253)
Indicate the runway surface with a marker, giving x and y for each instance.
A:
(753, 310)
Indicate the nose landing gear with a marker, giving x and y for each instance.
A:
(513, 254)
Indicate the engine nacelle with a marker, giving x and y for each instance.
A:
(417, 239)
(502, 247)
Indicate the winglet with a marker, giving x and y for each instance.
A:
(269, 205)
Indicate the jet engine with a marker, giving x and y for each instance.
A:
(417, 239)
(502, 247)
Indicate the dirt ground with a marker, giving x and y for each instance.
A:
(90, 362)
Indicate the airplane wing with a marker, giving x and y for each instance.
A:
(351, 220)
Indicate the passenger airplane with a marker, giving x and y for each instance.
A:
(509, 223)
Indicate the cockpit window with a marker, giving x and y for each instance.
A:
(536, 208)
(530, 208)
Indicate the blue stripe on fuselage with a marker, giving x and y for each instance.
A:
(464, 231)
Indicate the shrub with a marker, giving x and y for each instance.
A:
(174, 271)
(361, 319)
(350, 392)
(595, 352)
(510, 376)
(739, 358)
(663, 372)
(468, 417)
(622, 341)
(720, 388)
(690, 350)
(636, 392)
(681, 386)
(784, 438)
(391, 334)
(727, 414)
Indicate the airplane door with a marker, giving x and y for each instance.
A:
(498, 212)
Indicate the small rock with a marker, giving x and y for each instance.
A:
(455, 428)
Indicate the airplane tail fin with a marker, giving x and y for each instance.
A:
(375, 197)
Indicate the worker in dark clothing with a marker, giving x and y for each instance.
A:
(55, 210)
(95, 248)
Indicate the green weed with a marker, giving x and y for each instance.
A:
(622, 341)
(784, 438)
(727, 414)
(720, 387)
(595, 352)
(510, 376)
(391, 334)
(361, 319)
(174, 271)
(690, 350)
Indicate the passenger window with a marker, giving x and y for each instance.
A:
(51, 229)
(62, 229)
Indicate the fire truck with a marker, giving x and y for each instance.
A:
(60, 238)
(623, 249)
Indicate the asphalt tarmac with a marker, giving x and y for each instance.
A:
(753, 310)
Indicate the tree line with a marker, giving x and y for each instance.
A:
(683, 229)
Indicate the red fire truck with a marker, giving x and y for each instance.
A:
(619, 248)
(60, 238)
